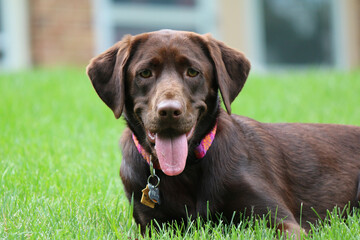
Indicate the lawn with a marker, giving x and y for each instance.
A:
(59, 154)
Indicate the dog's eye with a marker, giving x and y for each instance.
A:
(145, 73)
(192, 72)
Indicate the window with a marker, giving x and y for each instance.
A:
(161, 2)
(116, 18)
(120, 30)
(298, 32)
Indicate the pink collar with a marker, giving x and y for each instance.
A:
(200, 150)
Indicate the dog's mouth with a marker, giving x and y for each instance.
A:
(171, 149)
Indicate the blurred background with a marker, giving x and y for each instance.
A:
(272, 33)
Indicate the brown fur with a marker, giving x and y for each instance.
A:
(250, 167)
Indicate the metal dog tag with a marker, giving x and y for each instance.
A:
(145, 198)
(154, 193)
(151, 193)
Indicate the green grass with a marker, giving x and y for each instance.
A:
(59, 155)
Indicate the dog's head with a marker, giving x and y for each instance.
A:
(166, 85)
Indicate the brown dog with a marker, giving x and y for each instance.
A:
(166, 85)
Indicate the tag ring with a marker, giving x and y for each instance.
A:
(157, 180)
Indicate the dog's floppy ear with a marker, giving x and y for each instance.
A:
(232, 69)
(107, 73)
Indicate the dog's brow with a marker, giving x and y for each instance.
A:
(150, 62)
(184, 60)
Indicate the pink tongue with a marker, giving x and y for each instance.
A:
(172, 153)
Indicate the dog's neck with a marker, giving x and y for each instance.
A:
(200, 150)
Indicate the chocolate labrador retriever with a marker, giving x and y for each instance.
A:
(183, 155)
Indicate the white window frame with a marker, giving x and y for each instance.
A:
(107, 15)
(15, 38)
(2, 35)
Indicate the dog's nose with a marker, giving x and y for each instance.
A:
(169, 109)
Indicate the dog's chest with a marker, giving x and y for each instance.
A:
(188, 194)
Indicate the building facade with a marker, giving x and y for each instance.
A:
(272, 33)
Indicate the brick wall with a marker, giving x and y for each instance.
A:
(61, 32)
